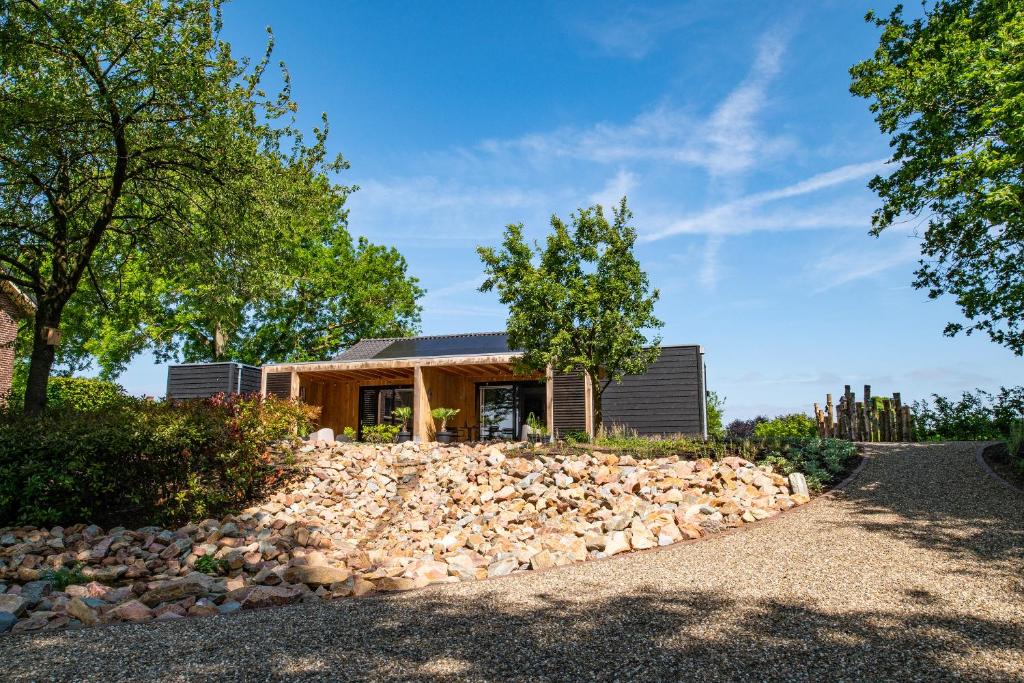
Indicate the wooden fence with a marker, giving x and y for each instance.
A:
(873, 419)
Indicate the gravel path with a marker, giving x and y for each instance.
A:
(914, 572)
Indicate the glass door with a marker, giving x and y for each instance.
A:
(498, 412)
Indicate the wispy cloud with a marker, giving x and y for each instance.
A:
(739, 217)
(617, 187)
(728, 140)
(844, 266)
(634, 31)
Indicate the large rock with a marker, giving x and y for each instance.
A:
(268, 596)
(798, 484)
(133, 611)
(82, 611)
(13, 604)
(194, 585)
(316, 575)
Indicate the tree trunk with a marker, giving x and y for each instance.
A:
(595, 396)
(43, 354)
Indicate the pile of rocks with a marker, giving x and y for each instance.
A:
(382, 518)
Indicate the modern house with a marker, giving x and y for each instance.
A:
(14, 306)
(474, 373)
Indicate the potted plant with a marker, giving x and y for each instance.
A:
(537, 430)
(403, 414)
(444, 414)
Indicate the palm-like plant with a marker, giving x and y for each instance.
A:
(444, 414)
(403, 414)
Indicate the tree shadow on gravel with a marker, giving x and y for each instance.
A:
(646, 635)
(939, 498)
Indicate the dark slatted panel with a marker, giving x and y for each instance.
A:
(198, 381)
(567, 404)
(367, 408)
(251, 378)
(667, 399)
(279, 384)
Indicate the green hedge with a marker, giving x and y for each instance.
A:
(794, 426)
(141, 462)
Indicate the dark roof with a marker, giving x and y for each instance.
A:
(23, 302)
(468, 344)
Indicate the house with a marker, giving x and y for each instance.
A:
(14, 306)
(474, 373)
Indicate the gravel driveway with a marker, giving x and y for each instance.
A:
(915, 572)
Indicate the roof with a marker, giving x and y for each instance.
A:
(467, 344)
(21, 301)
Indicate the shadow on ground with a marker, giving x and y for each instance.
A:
(951, 505)
(653, 636)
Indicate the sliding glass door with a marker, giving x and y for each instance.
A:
(498, 412)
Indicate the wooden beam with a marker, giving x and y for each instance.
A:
(438, 361)
(263, 382)
(549, 400)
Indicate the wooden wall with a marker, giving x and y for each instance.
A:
(339, 400)
(667, 399)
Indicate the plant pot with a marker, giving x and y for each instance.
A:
(446, 436)
(404, 436)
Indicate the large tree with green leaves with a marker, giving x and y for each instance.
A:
(152, 193)
(948, 88)
(580, 302)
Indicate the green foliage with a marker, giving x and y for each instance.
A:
(580, 303)
(820, 460)
(403, 414)
(976, 416)
(715, 407)
(1015, 441)
(130, 134)
(793, 426)
(444, 414)
(83, 393)
(946, 89)
(382, 433)
(208, 564)
(350, 433)
(537, 426)
(573, 437)
(142, 461)
(68, 575)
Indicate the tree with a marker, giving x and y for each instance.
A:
(580, 303)
(715, 407)
(947, 89)
(129, 139)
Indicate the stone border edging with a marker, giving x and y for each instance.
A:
(979, 455)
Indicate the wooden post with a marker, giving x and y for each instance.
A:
(293, 391)
(263, 382)
(549, 400)
(423, 423)
(830, 417)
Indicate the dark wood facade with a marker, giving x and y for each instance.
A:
(202, 380)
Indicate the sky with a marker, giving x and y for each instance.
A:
(728, 125)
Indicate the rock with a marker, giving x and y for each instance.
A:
(105, 574)
(394, 583)
(615, 543)
(177, 589)
(322, 434)
(12, 604)
(229, 607)
(267, 596)
(316, 575)
(133, 611)
(542, 560)
(798, 485)
(33, 592)
(503, 567)
(426, 572)
(7, 621)
(83, 612)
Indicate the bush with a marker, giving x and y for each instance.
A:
(83, 394)
(141, 461)
(820, 460)
(714, 405)
(977, 416)
(744, 429)
(793, 426)
(382, 433)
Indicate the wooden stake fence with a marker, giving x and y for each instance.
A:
(873, 419)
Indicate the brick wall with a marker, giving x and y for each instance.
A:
(9, 316)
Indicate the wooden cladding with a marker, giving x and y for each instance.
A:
(667, 399)
(569, 412)
(202, 380)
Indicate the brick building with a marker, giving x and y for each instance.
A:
(14, 306)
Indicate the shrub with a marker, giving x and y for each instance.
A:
(68, 575)
(820, 460)
(83, 394)
(572, 437)
(382, 433)
(142, 461)
(744, 429)
(208, 564)
(793, 426)
(977, 416)
(714, 407)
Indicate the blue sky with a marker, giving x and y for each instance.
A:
(729, 126)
